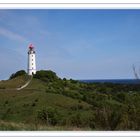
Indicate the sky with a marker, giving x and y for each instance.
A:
(77, 44)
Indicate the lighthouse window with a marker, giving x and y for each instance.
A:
(32, 59)
(32, 63)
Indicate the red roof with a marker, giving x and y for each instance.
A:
(31, 46)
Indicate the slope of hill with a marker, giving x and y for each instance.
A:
(14, 83)
(50, 103)
(25, 109)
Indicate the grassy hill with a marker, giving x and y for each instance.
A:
(19, 109)
(51, 103)
(14, 83)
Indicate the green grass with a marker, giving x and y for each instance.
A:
(20, 103)
(21, 107)
(68, 105)
(14, 83)
(6, 126)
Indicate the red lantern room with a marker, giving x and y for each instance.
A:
(31, 47)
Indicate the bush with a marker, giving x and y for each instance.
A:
(49, 116)
(77, 107)
(121, 97)
(64, 79)
(46, 75)
(6, 102)
(73, 81)
(76, 119)
(2, 87)
(18, 73)
(33, 104)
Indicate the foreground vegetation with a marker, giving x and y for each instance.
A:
(51, 103)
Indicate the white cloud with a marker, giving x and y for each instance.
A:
(11, 35)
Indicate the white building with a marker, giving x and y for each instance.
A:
(31, 61)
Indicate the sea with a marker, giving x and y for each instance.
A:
(114, 81)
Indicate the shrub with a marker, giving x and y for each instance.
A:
(34, 104)
(49, 116)
(2, 87)
(73, 81)
(121, 96)
(46, 75)
(6, 102)
(36, 100)
(18, 73)
(77, 107)
(64, 79)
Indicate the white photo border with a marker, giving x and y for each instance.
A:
(68, 5)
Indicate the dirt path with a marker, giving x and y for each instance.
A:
(25, 85)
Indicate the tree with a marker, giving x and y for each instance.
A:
(46, 75)
(18, 73)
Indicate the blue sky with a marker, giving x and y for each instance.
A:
(78, 44)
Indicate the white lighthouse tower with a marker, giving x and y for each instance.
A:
(31, 61)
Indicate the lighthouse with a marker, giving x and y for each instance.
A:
(31, 60)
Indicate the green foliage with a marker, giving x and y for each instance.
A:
(46, 75)
(6, 102)
(76, 119)
(49, 101)
(18, 73)
(49, 116)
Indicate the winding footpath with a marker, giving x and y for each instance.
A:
(25, 85)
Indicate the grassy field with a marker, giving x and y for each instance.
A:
(18, 109)
(51, 103)
(14, 83)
